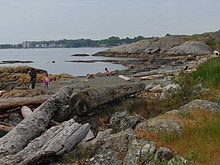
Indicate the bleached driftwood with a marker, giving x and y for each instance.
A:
(25, 111)
(124, 77)
(35, 124)
(22, 101)
(55, 141)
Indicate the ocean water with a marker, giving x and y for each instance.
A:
(42, 59)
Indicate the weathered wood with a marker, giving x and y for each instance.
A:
(35, 124)
(21, 101)
(84, 101)
(55, 141)
(124, 77)
(5, 127)
(25, 111)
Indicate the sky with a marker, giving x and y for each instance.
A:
(37, 20)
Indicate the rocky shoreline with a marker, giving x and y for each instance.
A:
(120, 140)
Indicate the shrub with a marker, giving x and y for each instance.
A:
(189, 88)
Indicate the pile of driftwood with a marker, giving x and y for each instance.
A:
(32, 140)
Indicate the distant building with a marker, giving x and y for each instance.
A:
(26, 44)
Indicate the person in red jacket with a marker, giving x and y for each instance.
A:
(107, 72)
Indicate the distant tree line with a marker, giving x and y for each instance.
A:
(111, 41)
(10, 46)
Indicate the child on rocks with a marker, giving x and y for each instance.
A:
(107, 72)
(46, 81)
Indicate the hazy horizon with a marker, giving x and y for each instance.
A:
(44, 20)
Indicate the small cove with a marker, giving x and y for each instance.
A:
(53, 60)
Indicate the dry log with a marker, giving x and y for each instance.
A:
(34, 125)
(5, 127)
(55, 141)
(25, 111)
(21, 101)
(84, 101)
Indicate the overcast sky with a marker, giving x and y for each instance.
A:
(22, 20)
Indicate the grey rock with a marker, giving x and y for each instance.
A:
(148, 46)
(114, 148)
(147, 151)
(104, 134)
(167, 90)
(122, 121)
(201, 105)
(178, 160)
(133, 153)
(163, 153)
(160, 125)
(191, 47)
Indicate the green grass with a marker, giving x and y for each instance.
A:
(209, 72)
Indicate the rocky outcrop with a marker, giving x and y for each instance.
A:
(141, 48)
(171, 45)
(172, 120)
(14, 81)
(191, 47)
(126, 147)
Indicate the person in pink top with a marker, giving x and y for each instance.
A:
(46, 81)
(107, 73)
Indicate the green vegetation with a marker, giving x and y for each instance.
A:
(211, 42)
(190, 88)
(10, 46)
(111, 41)
(200, 141)
(209, 72)
(211, 38)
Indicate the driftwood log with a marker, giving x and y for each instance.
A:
(82, 99)
(12, 103)
(34, 125)
(55, 141)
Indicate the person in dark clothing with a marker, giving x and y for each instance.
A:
(33, 75)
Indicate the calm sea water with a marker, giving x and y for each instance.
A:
(42, 59)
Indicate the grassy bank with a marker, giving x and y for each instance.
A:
(209, 72)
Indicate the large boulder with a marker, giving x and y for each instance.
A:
(124, 148)
(122, 121)
(156, 125)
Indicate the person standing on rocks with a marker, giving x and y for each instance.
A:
(46, 81)
(33, 75)
(107, 72)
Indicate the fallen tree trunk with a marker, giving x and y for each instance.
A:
(35, 124)
(22, 101)
(84, 101)
(55, 141)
